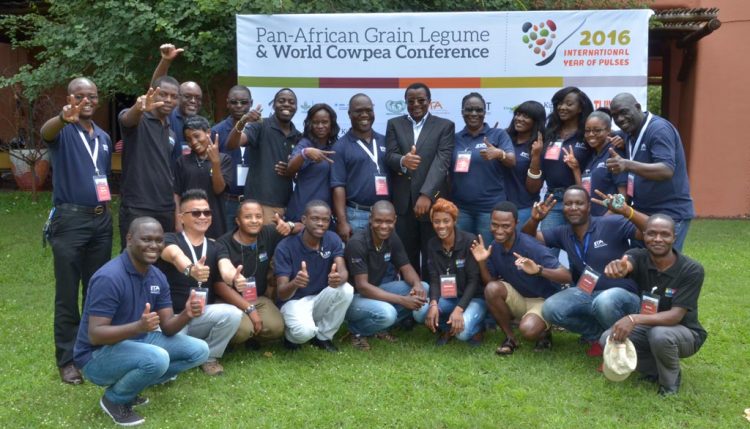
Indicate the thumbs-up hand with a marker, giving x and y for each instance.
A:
(282, 227)
(302, 278)
(149, 320)
(334, 278)
(200, 271)
(411, 160)
(194, 304)
(616, 164)
(618, 268)
(239, 282)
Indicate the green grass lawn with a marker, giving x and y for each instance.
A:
(403, 385)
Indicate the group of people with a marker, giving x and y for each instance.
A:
(251, 231)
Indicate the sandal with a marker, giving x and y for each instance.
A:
(544, 343)
(507, 347)
(386, 336)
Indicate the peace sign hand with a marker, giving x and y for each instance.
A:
(212, 150)
(317, 155)
(569, 158)
(71, 111)
(540, 209)
(147, 102)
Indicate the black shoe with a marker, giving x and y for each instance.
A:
(649, 378)
(326, 345)
(545, 343)
(252, 345)
(138, 401)
(408, 324)
(291, 346)
(665, 391)
(122, 414)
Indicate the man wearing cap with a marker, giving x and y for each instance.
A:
(667, 327)
(80, 225)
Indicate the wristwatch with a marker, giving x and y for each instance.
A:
(249, 309)
(291, 226)
(187, 270)
(539, 273)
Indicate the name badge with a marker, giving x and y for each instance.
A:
(381, 185)
(102, 189)
(631, 185)
(553, 151)
(263, 257)
(649, 304)
(186, 149)
(462, 162)
(387, 257)
(587, 281)
(448, 287)
(250, 294)
(586, 182)
(242, 171)
(202, 294)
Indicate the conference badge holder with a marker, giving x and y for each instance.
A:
(631, 185)
(448, 287)
(586, 182)
(250, 294)
(553, 151)
(102, 189)
(381, 185)
(202, 294)
(649, 303)
(463, 161)
(587, 281)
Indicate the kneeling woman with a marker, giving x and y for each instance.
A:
(456, 306)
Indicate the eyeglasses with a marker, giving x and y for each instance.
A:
(594, 131)
(240, 102)
(197, 213)
(473, 110)
(191, 97)
(90, 97)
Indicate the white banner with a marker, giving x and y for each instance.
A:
(508, 57)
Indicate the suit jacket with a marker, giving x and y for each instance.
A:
(435, 147)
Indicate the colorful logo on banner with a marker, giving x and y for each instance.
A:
(540, 38)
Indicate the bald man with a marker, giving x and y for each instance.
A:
(80, 224)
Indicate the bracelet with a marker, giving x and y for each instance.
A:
(303, 154)
(631, 319)
(532, 175)
(631, 213)
(62, 119)
(539, 273)
(504, 155)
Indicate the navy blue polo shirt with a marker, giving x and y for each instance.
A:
(223, 129)
(72, 168)
(355, 171)
(290, 253)
(515, 178)
(606, 240)
(119, 292)
(176, 123)
(661, 143)
(603, 179)
(557, 174)
(484, 185)
(502, 265)
(311, 183)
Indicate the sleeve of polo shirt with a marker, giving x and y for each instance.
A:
(119, 119)
(503, 141)
(398, 253)
(227, 170)
(545, 258)
(282, 261)
(433, 274)
(692, 280)
(253, 133)
(102, 298)
(356, 257)
(111, 147)
(171, 238)
(552, 236)
(222, 249)
(663, 145)
(338, 245)
(177, 175)
(493, 270)
(165, 297)
(625, 228)
(303, 144)
(638, 258)
(338, 168)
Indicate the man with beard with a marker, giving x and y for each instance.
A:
(519, 273)
(269, 145)
(311, 278)
(667, 327)
(591, 242)
(359, 176)
(80, 228)
(245, 265)
(189, 261)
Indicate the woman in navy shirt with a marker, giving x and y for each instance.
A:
(311, 160)
(570, 108)
(526, 128)
(479, 157)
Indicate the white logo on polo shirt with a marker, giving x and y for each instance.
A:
(325, 254)
(105, 147)
(155, 290)
(480, 146)
(382, 148)
(524, 155)
(599, 243)
(580, 145)
(601, 165)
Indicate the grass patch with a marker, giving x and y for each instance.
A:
(402, 385)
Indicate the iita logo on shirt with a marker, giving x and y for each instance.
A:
(599, 243)
(581, 145)
(480, 146)
(155, 290)
(105, 147)
(382, 148)
(524, 155)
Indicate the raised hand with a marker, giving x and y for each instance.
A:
(317, 155)
(282, 227)
(616, 164)
(569, 158)
(169, 52)
(537, 145)
(527, 265)
(149, 320)
(212, 150)
(200, 271)
(608, 201)
(302, 278)
(411, 160)
(71, 110)
(540, 209)
(334, 278)
(147, 103)
(618, 268)
(239, 282)
(253, 115)
(480, 252)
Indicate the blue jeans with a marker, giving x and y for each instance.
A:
(524, 215)
(128, 367)
(589, 315)
(367, 316)
(475, 222)
(473, 316)
(358, 219)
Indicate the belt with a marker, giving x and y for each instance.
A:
(231, 197)
(98, 210)
(357, 206)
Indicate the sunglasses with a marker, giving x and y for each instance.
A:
(197, 213)
(239, 102)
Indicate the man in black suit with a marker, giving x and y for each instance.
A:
(419, 149)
